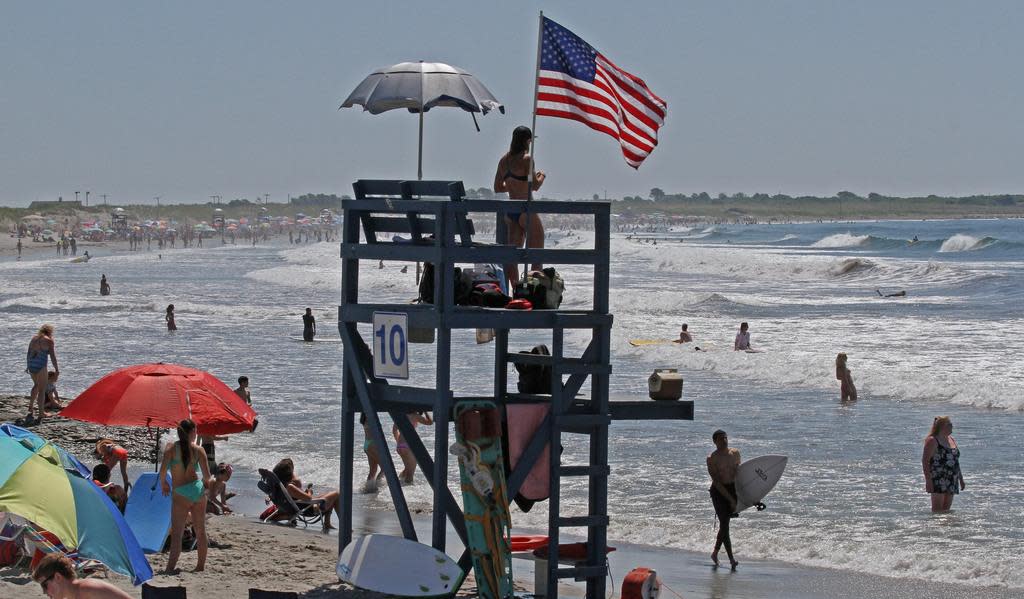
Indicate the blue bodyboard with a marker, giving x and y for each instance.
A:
(148, 512)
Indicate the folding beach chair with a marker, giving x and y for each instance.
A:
(285, 507)
(12, 550)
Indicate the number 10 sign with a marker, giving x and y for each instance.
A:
(391, 345)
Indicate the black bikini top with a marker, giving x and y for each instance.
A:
(510, 175)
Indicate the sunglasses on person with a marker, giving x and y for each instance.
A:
(46, 583)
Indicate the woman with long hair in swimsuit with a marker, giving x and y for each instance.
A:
(169, 317)
(408, 459)
(513, 177)
(847, 392)
(40, 349)
(190, 477)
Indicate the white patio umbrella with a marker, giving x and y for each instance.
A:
(420, 86)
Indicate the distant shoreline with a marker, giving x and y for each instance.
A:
(843, 207)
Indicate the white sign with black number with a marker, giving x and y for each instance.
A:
(391, 345)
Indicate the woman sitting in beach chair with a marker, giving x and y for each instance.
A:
(285, 473)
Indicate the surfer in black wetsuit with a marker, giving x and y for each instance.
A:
(723, 463)
(900, 293)
(308, 325)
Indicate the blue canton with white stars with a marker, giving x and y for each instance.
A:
(562, 50)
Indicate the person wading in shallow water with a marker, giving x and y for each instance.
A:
(308, 325)
(723, 463)
(941, 462)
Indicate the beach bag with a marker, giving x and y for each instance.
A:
(542, 288)
(463, 286)
(535, 378)
(488, 295)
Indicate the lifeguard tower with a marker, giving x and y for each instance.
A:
(433, 221)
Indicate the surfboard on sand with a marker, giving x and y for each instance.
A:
(756, 478)
(398, 566)
(148, 512)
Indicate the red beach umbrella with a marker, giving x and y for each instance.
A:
(160, 396)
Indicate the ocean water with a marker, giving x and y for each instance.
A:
(852, 497)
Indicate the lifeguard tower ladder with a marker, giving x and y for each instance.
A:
(434, 218)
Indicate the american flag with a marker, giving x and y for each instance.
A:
(577, 82)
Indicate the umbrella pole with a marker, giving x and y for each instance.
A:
(419, 157)
(156, 452)
(419, 176)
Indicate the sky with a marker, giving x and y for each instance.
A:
(185, 100)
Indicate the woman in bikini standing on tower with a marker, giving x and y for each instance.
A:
(513, 177)
(40, 349)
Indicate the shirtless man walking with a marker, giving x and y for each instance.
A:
(723, 463)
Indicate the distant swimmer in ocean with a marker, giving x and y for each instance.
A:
(308, 325)
(41, 349)
(169, 317)
(941, 462)
(104, 285)
(684, 335)
(723, 463)
(900, 293)
(847, 392)
(742, 342)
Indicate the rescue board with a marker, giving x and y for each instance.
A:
(398, 566)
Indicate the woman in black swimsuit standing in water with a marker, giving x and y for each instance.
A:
(513, 177)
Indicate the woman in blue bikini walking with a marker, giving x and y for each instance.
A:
(190, 476)
(40, 349)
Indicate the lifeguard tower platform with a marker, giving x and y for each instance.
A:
(433, 220)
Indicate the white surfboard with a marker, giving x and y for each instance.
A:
(756, 478)
(398, 566)
(315, 340)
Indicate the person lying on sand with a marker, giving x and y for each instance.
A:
(900, 293)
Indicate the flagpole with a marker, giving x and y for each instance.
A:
(533, 137)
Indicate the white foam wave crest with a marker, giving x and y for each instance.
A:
(964, 243)
(850, 265)
(841, 240)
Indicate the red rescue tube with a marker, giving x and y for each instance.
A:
(568, 551)
(527, 542)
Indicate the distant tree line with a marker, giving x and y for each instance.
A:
(657, 195)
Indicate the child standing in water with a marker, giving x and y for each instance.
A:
(169, 317)
(847, 392)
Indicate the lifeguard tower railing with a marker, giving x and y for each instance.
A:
(433, 220)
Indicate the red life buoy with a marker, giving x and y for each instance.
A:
(641, 583)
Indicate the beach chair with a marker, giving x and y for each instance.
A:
(258, 594)
(285, 507)
(12, 551)
(149, 592)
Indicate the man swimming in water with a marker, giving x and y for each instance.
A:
(723, 463)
